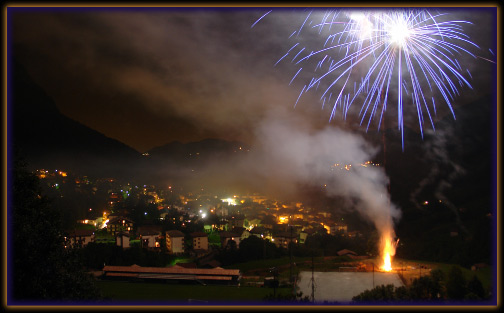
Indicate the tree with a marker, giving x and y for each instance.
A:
(380, 293)
(42, 268)
(425, 288)
(437, 276)
(255, 248)
(402, 293)
(252, 248)
(475, 287)
(456, 284)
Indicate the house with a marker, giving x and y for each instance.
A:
(78, 237)
(123, 239)
(261, 232)
(119, 224)
(175, 242)
(199, 241)
(302, 237)
(338, 229)
(150, 237)
(227, 236)
(146, 228)
(284, 239)
(253, 222)
(236, 234)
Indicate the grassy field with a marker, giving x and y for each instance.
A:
(117, 291)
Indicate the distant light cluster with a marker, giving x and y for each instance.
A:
(338, 166)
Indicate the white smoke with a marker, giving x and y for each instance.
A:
(290, 152)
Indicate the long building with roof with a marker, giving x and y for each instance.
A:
(175, 273)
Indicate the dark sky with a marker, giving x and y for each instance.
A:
(147, 77)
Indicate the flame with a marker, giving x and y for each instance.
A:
(387, 263)
(388, 251)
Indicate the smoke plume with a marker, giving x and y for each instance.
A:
(290, 152)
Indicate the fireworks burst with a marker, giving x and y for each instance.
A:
(369, 56)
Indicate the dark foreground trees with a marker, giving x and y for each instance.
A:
(40, 267)
(428, 288)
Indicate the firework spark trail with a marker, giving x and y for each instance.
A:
(386, 44)
(260, 18)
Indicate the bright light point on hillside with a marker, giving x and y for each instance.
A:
(203, 215)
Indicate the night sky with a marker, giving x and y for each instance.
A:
(149, 76)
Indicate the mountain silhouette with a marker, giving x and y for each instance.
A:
(45, 138)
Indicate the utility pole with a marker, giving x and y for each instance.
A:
(313, 281)
(373, 275)
(274, 270)
(290, 255)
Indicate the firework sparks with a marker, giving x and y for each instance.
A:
(370, 56)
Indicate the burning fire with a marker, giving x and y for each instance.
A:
(387, 263)
(388, 251)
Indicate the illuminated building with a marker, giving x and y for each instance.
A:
(200, 241)
(175, 241)
(118, 224)
(78, 238)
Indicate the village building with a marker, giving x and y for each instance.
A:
(123, 239)
(175, 242)
(119, 224)
(261, 232)
(302, 237)
(200, 242)
(175, 273)
(338, 229)
(227, 236)
(78, 238)
(284, 239)
(150, 236)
